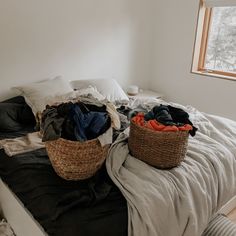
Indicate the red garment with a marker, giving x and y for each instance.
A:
(155, 125)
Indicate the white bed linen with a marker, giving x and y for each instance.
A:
(180, 201)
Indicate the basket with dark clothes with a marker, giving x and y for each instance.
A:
(75, 136)
(160, 137)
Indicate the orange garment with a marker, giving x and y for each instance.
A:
(139, 119)
(155, 125)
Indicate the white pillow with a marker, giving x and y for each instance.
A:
(37, 94)
(52, 100)
(109, 88)
(90, 90)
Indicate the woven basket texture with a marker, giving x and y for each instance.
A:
(74, 160)
(163, 150)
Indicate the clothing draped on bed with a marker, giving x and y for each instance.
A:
(180, 201)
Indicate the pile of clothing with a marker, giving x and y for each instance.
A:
(165, 118)
(78, 121)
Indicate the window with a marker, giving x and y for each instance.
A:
(215, 47)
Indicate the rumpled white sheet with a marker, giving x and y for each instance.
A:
(180, 201)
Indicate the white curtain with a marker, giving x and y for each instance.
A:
(219, 3)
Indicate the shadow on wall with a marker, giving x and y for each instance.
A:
(75, 39)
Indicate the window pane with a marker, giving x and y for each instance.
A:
(221, 49)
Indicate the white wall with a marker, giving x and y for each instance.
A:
(75, 39)
(175, 24)
(130, 40)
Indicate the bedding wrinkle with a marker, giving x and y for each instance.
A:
(146, 201)
(186, 197)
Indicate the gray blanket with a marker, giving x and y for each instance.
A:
(180, 201)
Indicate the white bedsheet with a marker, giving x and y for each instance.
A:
(180, 201)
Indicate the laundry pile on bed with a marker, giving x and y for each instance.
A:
(165, 118)
(185, 198)
(83, 120)
(74, 121)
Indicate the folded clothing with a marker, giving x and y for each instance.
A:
(23, 144)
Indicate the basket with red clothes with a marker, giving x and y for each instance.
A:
(160, 137)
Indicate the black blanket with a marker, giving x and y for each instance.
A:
(72, 208)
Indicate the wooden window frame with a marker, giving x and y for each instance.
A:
(204, 40)
(201, 43)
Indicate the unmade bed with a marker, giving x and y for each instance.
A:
(117, 202)
(179, 201)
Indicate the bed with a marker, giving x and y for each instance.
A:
(61, 207)
(36, 201)
(179, 201)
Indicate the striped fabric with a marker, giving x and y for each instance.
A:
(220, 226)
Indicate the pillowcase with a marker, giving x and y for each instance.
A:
(14, 116)
(75, 94)
(148, 102)
(8, 117)
(17, 99)
(90, 90)
(109, 88)
(37, 94)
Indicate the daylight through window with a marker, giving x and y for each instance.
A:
(218, 41)
(221, 46)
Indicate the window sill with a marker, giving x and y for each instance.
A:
(214, 75)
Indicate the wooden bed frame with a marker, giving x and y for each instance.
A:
(229, 206)
(23, 223)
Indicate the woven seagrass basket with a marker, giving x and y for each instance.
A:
(74, 160)
(163, 150)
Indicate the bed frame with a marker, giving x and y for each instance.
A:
(20, 219)
(23, 223)
(229, 206)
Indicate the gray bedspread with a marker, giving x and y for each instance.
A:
(180, 201)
